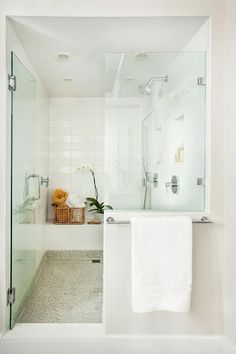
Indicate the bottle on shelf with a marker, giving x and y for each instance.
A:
(179, 155)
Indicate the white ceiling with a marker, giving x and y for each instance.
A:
(133, 72)
(89, 39)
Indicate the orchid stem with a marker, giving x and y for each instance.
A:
(94, 183)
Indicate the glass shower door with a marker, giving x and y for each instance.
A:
(24, 186)
(155, 117)
(174, 137)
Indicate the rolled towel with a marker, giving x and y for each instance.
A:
(73, 201)
(80, 204)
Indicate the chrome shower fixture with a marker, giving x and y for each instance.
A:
(146, 89)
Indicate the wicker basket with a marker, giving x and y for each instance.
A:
(77, 215)
(65, 215)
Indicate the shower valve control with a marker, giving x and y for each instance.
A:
(155, 180)
(173, 184)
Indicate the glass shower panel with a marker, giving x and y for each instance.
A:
(181, 108)
(24, 185)
(123, 150)
(155, 131)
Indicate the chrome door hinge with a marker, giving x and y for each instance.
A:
(11, 296)
(11, 82)
(201, 181)
(201, 81)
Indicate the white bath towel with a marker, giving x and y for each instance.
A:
(161, 255)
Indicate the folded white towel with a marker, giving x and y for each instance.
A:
(161, 254)
(73, 201)
(79, 204)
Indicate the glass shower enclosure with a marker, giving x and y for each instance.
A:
(156, 131)
(25, 189)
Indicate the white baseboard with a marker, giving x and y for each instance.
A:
(65, 331)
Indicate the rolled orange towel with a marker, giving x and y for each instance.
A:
(59, 196)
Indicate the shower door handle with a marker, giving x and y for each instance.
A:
(33, 175)
(39, 187)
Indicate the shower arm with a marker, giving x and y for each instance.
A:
(157, 78)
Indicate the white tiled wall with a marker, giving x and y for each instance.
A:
(123, 153)
(41, 127)
(76, 136)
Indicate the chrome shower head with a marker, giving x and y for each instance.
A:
(146, 89)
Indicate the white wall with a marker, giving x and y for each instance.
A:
(205, 316)
(73, 237)
(76, 136)
(122, 8)
(230, 175)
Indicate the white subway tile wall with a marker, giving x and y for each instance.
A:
(41, 150)
(76, 136)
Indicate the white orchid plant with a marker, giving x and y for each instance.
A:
(97, 206)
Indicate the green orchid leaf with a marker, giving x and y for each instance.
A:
(94, 202)
(98, 207)
(90, 210)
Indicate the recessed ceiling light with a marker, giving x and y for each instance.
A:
(63, 56)
(141, 56)
(129, 78)
(67, 79)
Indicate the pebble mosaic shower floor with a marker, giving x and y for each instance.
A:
(68, 290)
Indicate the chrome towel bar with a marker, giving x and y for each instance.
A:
(111, 221)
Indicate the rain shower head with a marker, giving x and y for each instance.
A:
(146, 89)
